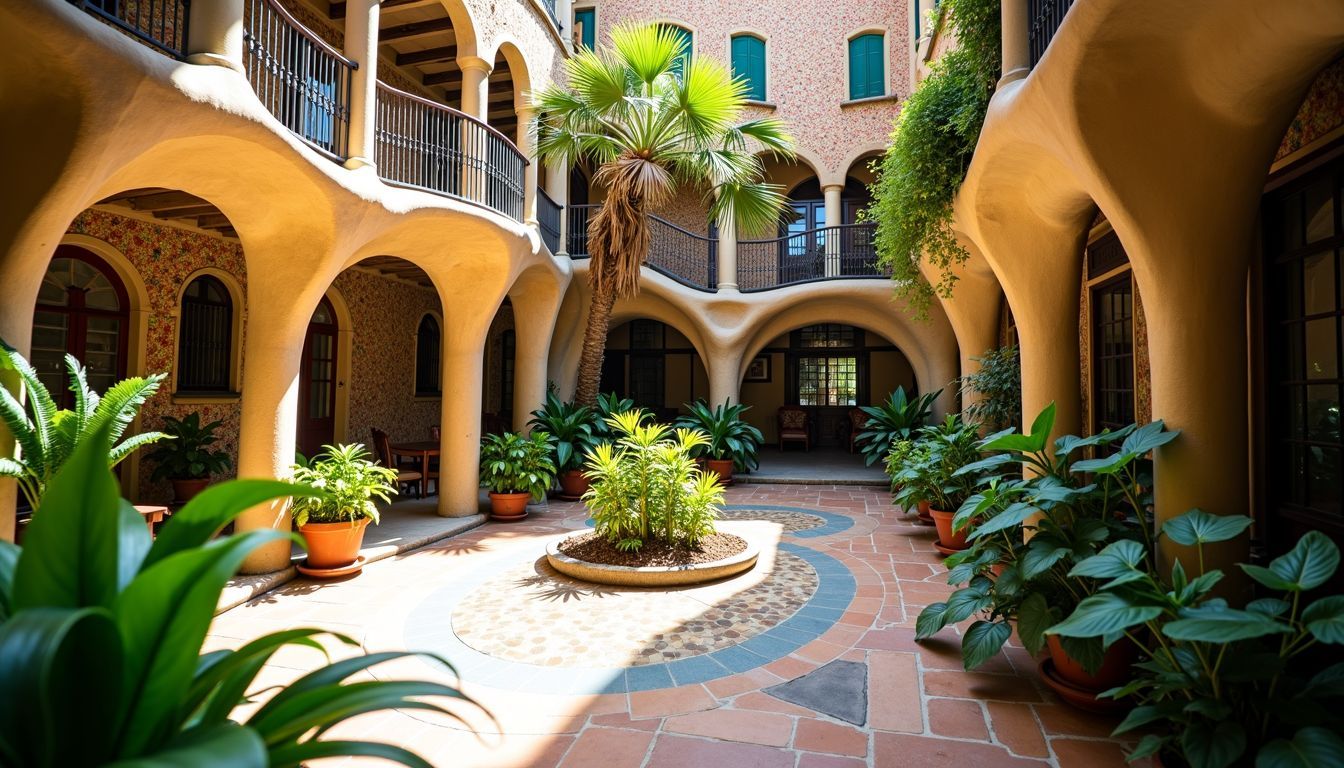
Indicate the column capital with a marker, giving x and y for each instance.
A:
(828, 187)
(474, 64)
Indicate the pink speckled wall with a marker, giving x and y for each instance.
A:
(1321, 112)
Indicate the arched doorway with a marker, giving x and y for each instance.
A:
(655, 365)
(317, 382)
(82, 310)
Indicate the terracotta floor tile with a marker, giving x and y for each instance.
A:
(765, 728)
(823, 736)
(979, 685)
(896, 750)
(671, 701)
(755, 680)
(611, 747)
(893, 692)
(1064, 720)
(764, 702)
(961, 718)
(1016, 727)
(623, 720)
(685, 752)
(810, 760)
(1079, 753)
(790, 667)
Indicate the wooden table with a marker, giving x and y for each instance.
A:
(424, 450)
(152, 514)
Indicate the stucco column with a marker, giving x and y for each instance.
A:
(526, 145)
(724, 368)
(557, 188)
(1016, 53)
(475, 103)
(272, 354)
(727, 254)
(974, 315)
(361, 46)
(832, 194)
(532, 329)
(475, 85)
(215, 33)
(16, 328)
(460, 436)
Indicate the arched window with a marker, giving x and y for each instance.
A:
(427, 351)
(748, 54)
(867, 66)
(82, 310)
(205, 337)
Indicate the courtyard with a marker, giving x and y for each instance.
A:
(807, 661)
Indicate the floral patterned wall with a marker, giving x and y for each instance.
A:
(1321, 112)
(381, 389)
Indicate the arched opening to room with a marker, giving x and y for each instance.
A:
(655, 365)
(497, 373)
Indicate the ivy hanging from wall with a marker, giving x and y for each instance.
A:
(931, 147)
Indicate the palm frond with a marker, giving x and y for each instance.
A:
(754, 206)
(39, 399)
(770, 134)
(600, 82)
(647, 50)
(708, 100)
(120, 403)
(131, 445)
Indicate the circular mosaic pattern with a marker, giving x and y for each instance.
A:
(529, 613)
(792, 522)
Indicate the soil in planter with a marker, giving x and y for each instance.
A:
(593, 548)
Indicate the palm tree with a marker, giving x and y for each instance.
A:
(651, 119)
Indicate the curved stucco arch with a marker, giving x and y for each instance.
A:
(464, 27)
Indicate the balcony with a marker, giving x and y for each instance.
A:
(160, 24)
(1043, 20)
(826, 253)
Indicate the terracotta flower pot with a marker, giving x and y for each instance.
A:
(922, 511)
(945, 535)
(721, 467)
(333, 545)
(1114, 671)
(185, 490)
(573, 484)
(509, 506)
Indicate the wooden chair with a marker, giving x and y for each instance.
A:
(794, 426)
(857, 421)
(407, 475)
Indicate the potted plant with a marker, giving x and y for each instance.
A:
(333, 524)
(573, 437)
(895, 419)
(185, 458)
(932, 473)
(82, 643)
(516, 469)
(729, 441)
(1222, 686)
(908, 467)
(995, 389)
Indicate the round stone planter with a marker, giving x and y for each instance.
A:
(650, 576)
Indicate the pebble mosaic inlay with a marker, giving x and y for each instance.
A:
(531, 613)
(792, 522)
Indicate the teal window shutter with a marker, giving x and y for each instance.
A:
(683, 34)
(748, 54)
(867, 75)
(586, 20)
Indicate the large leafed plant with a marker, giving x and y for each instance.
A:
(651, 119)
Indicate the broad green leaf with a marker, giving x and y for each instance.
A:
(1325, 619)
(1199, 527)
(1118, 560)
(1034, 617)
(323, 707)
(163, 616)
(1327, 682)
(1102, 613)
(213, 508)
(982, 641)
(1312, 747)
(1012, 516)
(1213, 745)
(1139, 717)
(1308, 565)
(226, 677)
(70, 553)
(1222, 625)
(1269, 606)
(9, 558)
(1146, 438)
(966, 602)
(1040, 556)
(1148, 746)
(226, 744)
(1268, 578)
(56, 663)
(931, 620)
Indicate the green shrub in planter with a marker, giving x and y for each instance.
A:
(101, 632)
(1222, 686)
(930, 471)
(185, 452)
(895, 419)
(350, 482)
(511, 463)
(727, 435)
(573, 430)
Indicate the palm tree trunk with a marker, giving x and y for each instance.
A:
(594, 344)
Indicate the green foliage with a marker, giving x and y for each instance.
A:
(931, 470)
(608, 406)
(573, 430)
(727, 435)
(997, 385)
(101, 634)
(1228, 686)
(647, 486)
(930, 151)
(511, 463)
(350, 481)
(47, 436)
(1076, 509)
(185, 454)
(893, 420)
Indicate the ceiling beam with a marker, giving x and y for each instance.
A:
(161, 200)
(337, 10)
(414, 29)
(139, 192)
(442, 53)
(185, 212)
(213, 221)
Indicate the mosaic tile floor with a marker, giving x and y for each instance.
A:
(874, 570)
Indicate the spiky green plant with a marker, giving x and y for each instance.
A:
(350, 482)
(895, 419)
(727, 435)
(646, 485)
(651, 119)
(47, 436)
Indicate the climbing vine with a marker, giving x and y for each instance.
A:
(931, 147)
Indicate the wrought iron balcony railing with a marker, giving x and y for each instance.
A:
(161, 24)
(799, 257)
(433, 147)
(548, 220)
(1043, 20)
(687, 257)
(301, 78)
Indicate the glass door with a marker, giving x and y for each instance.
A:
(317, 383)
